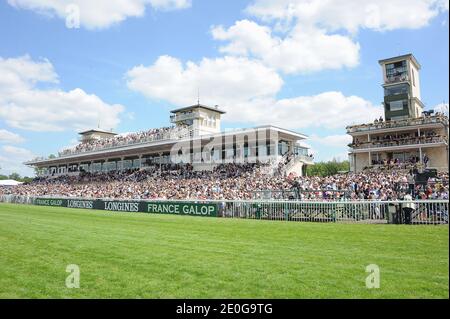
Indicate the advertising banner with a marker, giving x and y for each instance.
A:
(151, 207)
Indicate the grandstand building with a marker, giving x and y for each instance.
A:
(194, 138)
(407, 137)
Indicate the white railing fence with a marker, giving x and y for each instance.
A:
(376, 212)
(399, 212)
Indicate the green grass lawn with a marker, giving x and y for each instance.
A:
(124, 255)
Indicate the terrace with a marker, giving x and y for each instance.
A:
(403, 140)
(126, 140)
(379, 125)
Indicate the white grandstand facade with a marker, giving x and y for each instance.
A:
(195, 138)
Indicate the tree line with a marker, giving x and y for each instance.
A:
(329, 168)
(16, 177)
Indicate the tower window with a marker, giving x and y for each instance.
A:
(396, 72)
(397, 105)
(396, 89)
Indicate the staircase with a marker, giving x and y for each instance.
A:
(295, 165)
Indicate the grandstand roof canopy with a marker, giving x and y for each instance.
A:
(215, 109)
(156, 146)
(97, 131)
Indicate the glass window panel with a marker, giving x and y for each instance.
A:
(397, 89)
(396, 105)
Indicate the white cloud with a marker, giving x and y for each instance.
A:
(351, 15)
(327, 110)
(246, 90)
(331, 144)
(443, 4)
(10, 137)
(220, 81)
(304, 49)
(99, 13)
(442, 108)
(12, 158)
(72, 143)
(332, 140)
(319, 34)
(343, 156)
(23, 105)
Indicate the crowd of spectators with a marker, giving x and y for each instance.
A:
(413, 162)
(387, 140)
(233, 182)
(437, 117)
(125, 139)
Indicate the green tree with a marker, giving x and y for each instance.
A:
(323, 169)
(26, 179)
(14, 176)
(38, 171)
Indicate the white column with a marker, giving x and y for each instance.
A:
(420, 156)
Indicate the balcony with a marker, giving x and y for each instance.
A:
(164, 134)
(414, 141)
(397, 79)
(435, 119)
(305, 159)
(184, 117)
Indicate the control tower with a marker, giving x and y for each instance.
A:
(401, 86)
(201, 119)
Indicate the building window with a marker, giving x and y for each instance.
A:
(396, 89)
(397, 105)
(413, 78)
(396, 72)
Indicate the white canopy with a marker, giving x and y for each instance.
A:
(9, 182)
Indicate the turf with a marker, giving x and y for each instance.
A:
(124, 255)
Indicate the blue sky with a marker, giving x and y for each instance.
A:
(313, 68)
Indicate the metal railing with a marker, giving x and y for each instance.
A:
(399, 142)
(369, 212)
(398, 123)
(305, 158)
(424, 212)
(397, 78)
(186, 116)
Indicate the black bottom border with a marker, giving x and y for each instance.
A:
(231, 308)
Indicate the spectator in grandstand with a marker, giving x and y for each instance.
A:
(425, 160)
(126, 139)
(411, 182)
(233, 181)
